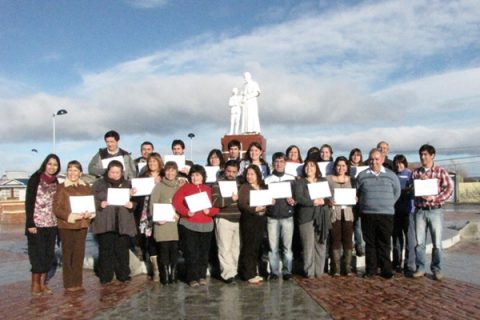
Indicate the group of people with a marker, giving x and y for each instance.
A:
(252, 242)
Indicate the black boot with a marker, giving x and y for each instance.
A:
(163, 274)
(172, 275)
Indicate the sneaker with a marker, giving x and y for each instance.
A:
(255, 280)
(419, 274)
(438, 276)
(193, 284)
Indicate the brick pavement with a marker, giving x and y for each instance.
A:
(397, 298)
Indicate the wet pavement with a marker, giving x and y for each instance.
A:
(456, 297)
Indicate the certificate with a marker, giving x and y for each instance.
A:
(81, 204)
(179, 160)
(326, 168)
(259, 198)
(280, 190)
(427, 187)
(198, 201)
(143, 186)
(106, 161)
(163, 212)
(345, 196)
(294, 169)
(355, 171)
(118, 196)
(211, 173)
(319, 190)
(228, 188)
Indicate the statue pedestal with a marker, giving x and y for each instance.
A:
(245, 141)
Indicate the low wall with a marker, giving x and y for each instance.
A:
(12, 212)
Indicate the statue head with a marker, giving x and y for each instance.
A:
(247, 76)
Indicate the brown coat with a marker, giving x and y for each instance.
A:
(61, 204)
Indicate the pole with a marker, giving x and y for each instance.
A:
(53, 137)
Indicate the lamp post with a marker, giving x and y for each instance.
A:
(191, 136)
(60, 112)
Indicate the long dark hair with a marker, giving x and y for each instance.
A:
(318, 173)
(337, 160)
(219, 155)
(43, 166)
(294, 147)
(258, 173)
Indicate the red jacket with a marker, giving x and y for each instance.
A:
(181, 207)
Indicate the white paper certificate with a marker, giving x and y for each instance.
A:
(106, 161)
(427, 187)
(211, 173)
(355, 171)
(81, 204)
(118, 196)
(280, 190)
(163, 212)
(345, 196)
(198, 202)
(140, 166)
(319, 190)
(294, 169)
(179, 160)
(259, 198)
(143, 186)
(228, 188)
(326, 168)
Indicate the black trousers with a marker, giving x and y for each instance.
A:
(252, 229)
(41, 249)
(196, 246)
(167, 252)
(377, 232)
(113, 256)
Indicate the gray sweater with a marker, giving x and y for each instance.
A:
(378, 194)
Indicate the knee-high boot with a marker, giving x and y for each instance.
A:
(36, 289)
(348, 262)
(336, 262)
(43, 284)
(154, 263)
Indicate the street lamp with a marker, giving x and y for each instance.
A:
(191, 136)
(60, 112)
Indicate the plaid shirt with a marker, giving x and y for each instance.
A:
(445, 186)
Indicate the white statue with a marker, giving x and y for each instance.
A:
(250, 119)
(234, 103)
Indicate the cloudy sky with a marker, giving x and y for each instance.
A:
(347, 73)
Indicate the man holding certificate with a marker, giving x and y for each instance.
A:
(227, 227)
(102, 158)
(429, 215)
(378, 189)
(280, 219)
(193, 203)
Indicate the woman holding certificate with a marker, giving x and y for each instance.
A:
(252, 226)
(342, 217)
(165, 229)
(73, 221)
(313, 218)
(114, 223)
(254, 156)
(193, 201)
(143, 216)
(41, 223)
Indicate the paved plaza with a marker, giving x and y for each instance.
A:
(456, 297)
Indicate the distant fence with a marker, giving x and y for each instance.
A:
(468, 192)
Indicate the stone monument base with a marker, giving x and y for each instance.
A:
(245, 141)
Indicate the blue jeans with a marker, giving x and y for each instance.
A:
(280, 230)
(429, 220)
